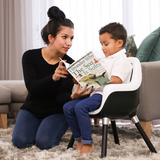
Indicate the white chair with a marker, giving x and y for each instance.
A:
(120, 101)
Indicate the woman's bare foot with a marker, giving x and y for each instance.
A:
(79, 145)
(87, 148)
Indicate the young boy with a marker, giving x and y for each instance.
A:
(112, 38)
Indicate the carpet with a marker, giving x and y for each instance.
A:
(132, 146)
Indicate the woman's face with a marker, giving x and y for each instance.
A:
(63, 41)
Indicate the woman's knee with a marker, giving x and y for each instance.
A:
(45, 143)
(21, 141)
(50, 131)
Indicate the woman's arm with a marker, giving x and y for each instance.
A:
(38, 77)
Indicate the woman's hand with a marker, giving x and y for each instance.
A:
(60, 72)
(78, 93)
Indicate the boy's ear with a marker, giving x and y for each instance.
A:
(120, 43)
(50, 38)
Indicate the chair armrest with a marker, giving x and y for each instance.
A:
(5, 95)
(17, 88)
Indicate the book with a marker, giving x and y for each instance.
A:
(88, 70)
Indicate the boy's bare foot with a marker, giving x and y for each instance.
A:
(87, 148)
(79, 145)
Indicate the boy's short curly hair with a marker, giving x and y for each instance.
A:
(117, 31)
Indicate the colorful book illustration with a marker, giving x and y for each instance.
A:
(88, 70)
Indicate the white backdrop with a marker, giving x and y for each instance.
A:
(22, 21)
(140, 17)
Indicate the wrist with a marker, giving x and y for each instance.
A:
(71, 97)
(53, 77)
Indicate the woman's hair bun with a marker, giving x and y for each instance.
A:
(55, 13)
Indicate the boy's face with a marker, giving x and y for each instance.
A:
(110, 46)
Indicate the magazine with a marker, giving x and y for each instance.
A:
(88, 70)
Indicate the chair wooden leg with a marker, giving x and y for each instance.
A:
(15, 114)
(96, 121)
(3, 121)
(146, 125)
(91, 121)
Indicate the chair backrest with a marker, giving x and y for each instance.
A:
(136, 77)
(124, 96)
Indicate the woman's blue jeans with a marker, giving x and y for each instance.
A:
(46, 133)
(77, 115)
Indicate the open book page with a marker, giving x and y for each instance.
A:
(88, 70)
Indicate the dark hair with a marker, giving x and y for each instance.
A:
(57, 20)
(116, 30)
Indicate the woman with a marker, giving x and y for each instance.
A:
(41, 119)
